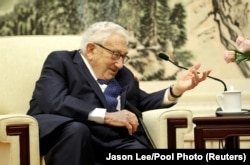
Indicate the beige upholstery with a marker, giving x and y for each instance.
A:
(11, 143)
(21, 61)
(155, 122)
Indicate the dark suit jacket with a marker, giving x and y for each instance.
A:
(67, 91)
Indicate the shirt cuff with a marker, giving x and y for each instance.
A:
(165, 99)
(97, 115)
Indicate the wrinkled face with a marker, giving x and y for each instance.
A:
(102, 61)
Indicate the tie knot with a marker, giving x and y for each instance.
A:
(102, 81)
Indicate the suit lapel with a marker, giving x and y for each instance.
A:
(124, 84)
(85, 74)
(123, 97)
(81, 66)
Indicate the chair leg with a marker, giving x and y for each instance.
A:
(172, 125)
(23, 132)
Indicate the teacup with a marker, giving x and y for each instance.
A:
(229, 101)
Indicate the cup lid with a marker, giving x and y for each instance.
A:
(232, 90)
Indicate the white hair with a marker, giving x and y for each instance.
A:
(100, 32)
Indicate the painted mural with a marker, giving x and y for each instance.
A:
(189, 31)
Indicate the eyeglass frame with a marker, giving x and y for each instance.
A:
(115, 55)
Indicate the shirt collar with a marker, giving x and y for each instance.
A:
(88, 66)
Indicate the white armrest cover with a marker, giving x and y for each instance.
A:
(156, 123)
(13, 156)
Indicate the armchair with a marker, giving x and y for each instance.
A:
(21, 61)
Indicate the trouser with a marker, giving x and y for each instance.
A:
(69, 144)
(128, 142)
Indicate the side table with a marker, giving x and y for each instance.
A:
(228, 128)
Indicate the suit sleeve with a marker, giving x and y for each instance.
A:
(57, 90)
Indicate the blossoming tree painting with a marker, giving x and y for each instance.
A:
(189, 31)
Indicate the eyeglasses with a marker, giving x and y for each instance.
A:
(115, 55)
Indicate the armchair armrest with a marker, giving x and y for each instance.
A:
(19, 141)
(167, 127)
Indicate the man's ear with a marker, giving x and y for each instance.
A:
(90, 48)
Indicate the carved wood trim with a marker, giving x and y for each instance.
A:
(23, 132)
(172, 125)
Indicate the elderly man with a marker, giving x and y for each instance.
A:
(80, 99)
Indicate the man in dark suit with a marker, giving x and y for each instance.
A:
(77, 117)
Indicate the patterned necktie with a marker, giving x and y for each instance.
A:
(112, 91)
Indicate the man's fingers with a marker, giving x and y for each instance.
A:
(125, 118)
(133, 121)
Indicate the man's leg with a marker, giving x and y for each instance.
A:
(69, 145)
(125, 143)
